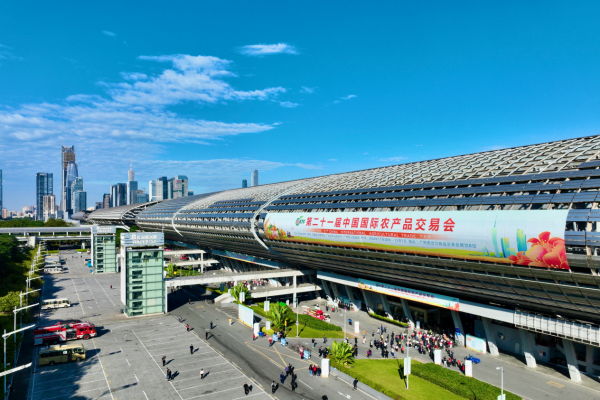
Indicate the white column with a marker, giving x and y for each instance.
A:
(458, 324)
(335, 290)
(202, 262)
(489, 336)
(386, 305)
(407, 312)
(527, 348)
(325, 286)
(295, 299)
(571, 357)
(368, 301)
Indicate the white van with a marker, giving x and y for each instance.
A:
(53, 270)
(55, 303)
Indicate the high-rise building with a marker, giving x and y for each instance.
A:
(68, 155)
(4, 213)
(76, 186)
(49, 207)
(151, 190)
(118, 195)
(44, 186)
(99, 205)
(1, 207)
(79, 201)
(190, 192)
(141, 197)
(244, 183)
(72, 175)
(132, 186)
(178, 187)
(159, 189)
(254, 178)
(106, 200)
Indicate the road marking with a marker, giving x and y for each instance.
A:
(136, 378)
(105, 378)
(113, 303)
(60, 387)
(145, 395)
(210, 383)
(543, 391)
(76, 292)
(128, 362)
(555, 384)
(305, 384)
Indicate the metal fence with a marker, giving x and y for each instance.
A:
(557, 327)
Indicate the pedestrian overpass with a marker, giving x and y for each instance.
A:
(226, 276)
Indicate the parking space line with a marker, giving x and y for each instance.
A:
(90, 390)
(211, 383)
(213, 393)
(63, 379)
(78, 298)
(103, 372)
(60, 387)
(113, 303)
(191, 355)
(204, 359)
(212, 373)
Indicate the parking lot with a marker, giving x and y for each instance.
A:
(125, 360)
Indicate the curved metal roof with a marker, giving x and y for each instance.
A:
(119, 215)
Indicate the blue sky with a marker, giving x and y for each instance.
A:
(215, 89)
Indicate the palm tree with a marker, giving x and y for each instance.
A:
(238, 289)
(278, 314)
(341, 352)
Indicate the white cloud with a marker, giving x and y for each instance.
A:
(332, 159)
(394, 159)
(288, 104)
(109, 33)
(350, 96)
(306, 89)
(419, 145)
(265, 49)
(6, 54)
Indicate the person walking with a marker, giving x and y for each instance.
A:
(282, 377)
(189, 301)
(164, 360)
(270, 341)
(324, 339)
(191, 349)
(111, 286)
(273, 387)
(287, 371)
(324, 397)
(314, 343)
(294, 386)
(169, 374)
(202, 373)
(246, 388)
(355, 383)
(211, 325)
(187, 327)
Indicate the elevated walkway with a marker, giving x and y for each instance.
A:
(284, 290)
(557, 327)
(228, 276)
(183, 252)
(47, 231)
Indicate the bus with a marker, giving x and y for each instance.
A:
(53, 270)
(55, 303)
(63, 331)
(60, 354)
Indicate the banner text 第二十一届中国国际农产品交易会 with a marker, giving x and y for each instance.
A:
(495, 236)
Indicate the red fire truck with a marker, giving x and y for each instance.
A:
(61, 332)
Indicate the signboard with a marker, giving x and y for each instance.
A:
(142, 239)
(407, 366)
(325, 367)
(268, 324)
(356, 327)
(241, 257)
(246, 315)
(476, 344)
(437, 356)
(524, 237)
(100, 229)
(267, 306)
(421, 296)
(469, 368)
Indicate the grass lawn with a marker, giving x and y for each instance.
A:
(306, 332)
(388, 374)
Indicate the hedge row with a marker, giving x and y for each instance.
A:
(366, 380)
(388, 320)
(306, 320)
(457, 383)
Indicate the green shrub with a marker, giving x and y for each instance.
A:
(388, 320)
(316, 323)
(457, 383)
(366, 380)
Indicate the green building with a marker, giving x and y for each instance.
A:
(104, 249)
(142, 285)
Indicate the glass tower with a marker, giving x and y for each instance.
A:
(44, 186)
(244, 183)
(254, 178)
(68, 155)
(72, 174)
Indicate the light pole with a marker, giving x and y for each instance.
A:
(21, 303)
(501, 382)
(28, 285)
(6, 335)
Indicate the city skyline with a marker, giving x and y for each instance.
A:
(360, 99)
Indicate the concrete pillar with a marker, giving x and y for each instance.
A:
(202, 262)
(489, 336)
(295, 299)
(325, 286)
(571, 357)
(408, 313)
(460, 339)
(368, 301)
(527, 348)
(335, 290)
(350, 294)
(386, 305)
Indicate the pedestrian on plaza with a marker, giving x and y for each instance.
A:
(189, 301)
(314, 343)
(318, 371)
(187, 327)
(324, 339)
(273, 387)
(356, 340)
(270, 341)
(287, 371)
(191, 349)
(282, 377)
(164, 360)
(321, 351)
(294, 386)
(246, 389)
(168, 374)
(211, 325)
(364, 339)
(373, 334)
(310, 369)
(355, 383)
(314, 370)
(371, 344)
(207, 335)
(179, 318)
(324, 397)
(111, 286)
(202, 374)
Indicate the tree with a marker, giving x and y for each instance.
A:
(278, 314)
(56, 223)
(9, 302)
(237, 290)
(341, 352)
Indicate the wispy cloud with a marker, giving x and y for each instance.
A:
(350, 96)
(419, 145)
(288, 104)
(265, 49)
(109, 33)
(309, 90)
(394, 159)
(332, 159)
(6, 53)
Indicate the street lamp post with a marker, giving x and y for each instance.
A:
(4, 336)
(501, 382)
(21, 304)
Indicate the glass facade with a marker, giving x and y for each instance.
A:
(144, 285)
(72, 174)
(104, 254)
(44, 186)
(132, 187)
(79, 201)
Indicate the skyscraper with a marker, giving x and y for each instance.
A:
(1, 194)
(106, 200)
(132, 186)
(49, 207)
(72, 174)
(120, 196)
(141, 196)
(44, 186)
(159, 189)
(99, 205)
(68, 155)
(178, 187)
(244, 183)
(254, 178)
(79, 201)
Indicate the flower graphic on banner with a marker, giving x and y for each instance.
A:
(544, 252)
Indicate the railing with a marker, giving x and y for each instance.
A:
(558, 327)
